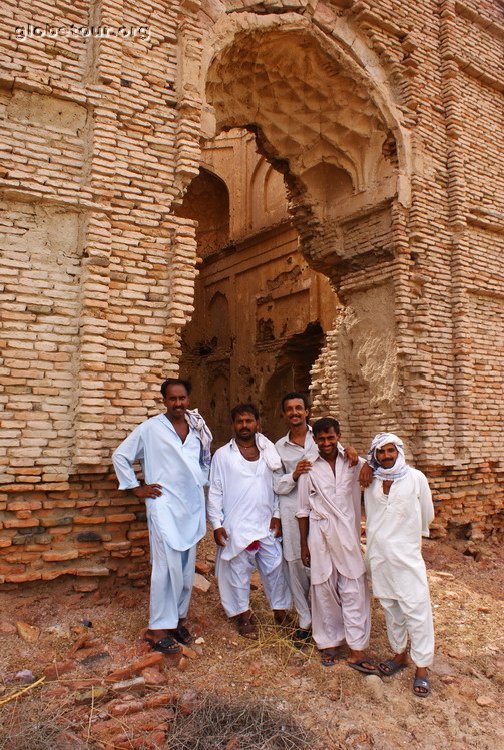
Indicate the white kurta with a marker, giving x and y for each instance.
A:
(333, 505)
(176, 519)
(173, 464)
(395, 524)
(340, 598)
(286, 489)
(241, 499)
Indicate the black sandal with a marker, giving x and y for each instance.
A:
(247, 628)
(182, 634)
(167, 645)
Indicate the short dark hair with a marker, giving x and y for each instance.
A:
(175, 381)
(240, 409)
(296, 394)
(324, 425)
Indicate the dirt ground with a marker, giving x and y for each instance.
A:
(342, 708)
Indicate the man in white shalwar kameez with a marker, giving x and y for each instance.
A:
(329, 499)
(298, 451)
(174, 452)
(243, 510)
(399, 510)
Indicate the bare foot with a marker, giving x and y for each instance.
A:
(156, 635)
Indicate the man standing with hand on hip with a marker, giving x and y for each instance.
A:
(174, 452)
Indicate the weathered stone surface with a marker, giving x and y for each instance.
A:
(203, 568)
(153, 676)
(122, 674)
(27, 632)
(201, 583)
(485, 701)
(136, 683)
(85, 585)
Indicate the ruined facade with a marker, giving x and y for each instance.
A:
(261, 313)
(383, 121)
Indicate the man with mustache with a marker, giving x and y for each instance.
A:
(243, 510)
(329, 502)
(174, 451)
(298, 450)
(399, 510)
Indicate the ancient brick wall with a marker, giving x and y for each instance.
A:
(101, 135)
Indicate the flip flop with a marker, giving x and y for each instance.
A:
(390, 667)
(247, 629)
(421, 682)
(302, 634)
(327, 657)
(301, 638)
(182, 634)
(360, 667)
(165, 645)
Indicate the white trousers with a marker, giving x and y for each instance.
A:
(172, 579)
(299, 582)
(233, 577)
(415, 621)
(341, 612)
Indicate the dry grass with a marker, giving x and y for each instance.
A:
(32, 724)
(216, 724)
(276, 641)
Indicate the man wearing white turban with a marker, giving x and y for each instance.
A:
(398, 513)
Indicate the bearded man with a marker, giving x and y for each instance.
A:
(399, 510)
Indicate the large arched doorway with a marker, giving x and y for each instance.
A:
(324, 118)
(260, 310)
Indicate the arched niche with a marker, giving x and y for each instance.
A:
(294, 362)
(327, 185)
(207, 202)
(267, 197)
(218, 321)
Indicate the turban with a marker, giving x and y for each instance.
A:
(399, 469)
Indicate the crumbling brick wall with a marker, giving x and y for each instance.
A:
(101, 135)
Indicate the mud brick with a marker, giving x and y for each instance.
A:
(24, 525)
(89, 536)
(121, 518)
(60, 556)
(135, 668)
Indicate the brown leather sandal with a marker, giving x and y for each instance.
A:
(247, 628)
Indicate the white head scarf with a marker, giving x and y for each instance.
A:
(196, 421)
(399, 469)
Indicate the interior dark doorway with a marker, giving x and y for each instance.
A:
(261, 312)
